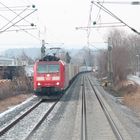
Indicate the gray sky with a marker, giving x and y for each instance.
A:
(56, 21)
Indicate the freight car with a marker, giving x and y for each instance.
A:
(52, 76)
(85, 69)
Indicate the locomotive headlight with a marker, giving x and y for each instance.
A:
(57, 83)
(39, 84)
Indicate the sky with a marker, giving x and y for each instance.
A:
(56, 22)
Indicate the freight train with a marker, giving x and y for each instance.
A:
(52, 76)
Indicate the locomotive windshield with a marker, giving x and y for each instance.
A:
(47, 68)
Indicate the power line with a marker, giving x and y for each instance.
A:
(13, 10)
(98, 15)
(113, 15)
(18, 21)
(32, 35)
(121, 2)
(22, 18)
(14, 18)
(89, 22)
(25, 30)
(20, 29)
(13, 7)
(89, 27)
(108, 23)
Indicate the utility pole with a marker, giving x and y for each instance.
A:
(43, 49)
(110, 69)
(138, 64)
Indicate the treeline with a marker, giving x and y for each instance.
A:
(125, 55)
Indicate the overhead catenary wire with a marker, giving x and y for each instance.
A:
(89, 22)
(18, 26)
(121, 2)
(25, 30)
(12, 10)
(98, 19)
(108, 23)
(98, 14)
(22, 29)
(15, 7)
(22, 18)
(100, 24)
(32, 35)
(113, 15)
(3, 10)
(39, 31)
(94, 46)
(107, 11)
(14, 18)
(29, 1)
(88, 27)
(18, 21)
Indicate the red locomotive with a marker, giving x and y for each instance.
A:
(52, 75)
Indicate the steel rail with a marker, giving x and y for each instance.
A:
(10, 125)
(115, 130)
(14, 122)
(83, 114)
(47, 114)
(41, 120)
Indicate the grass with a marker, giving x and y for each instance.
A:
(20, 85)
(131, 93)
(133, 100)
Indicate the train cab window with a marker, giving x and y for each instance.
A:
(53, 68)
(47, 68)
(42, 68)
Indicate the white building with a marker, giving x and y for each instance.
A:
(12, 62)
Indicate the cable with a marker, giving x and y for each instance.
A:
(18, 21)
(12, 10)
(29, 1)
(96, 19)
(104, 9)
(14, 18)
(22, 18)
(121, 2)
(89, 22)
(97, 49)
(13, 7)
(88, 27)
(109, 23)
(113, 15)
(32, 35)
(20, 29)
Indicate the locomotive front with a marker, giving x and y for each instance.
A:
(48, 77)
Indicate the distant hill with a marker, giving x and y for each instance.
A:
(31, 52)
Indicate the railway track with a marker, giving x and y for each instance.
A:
(110, 119)
(83, 113)
(108, 116)
(10, 127)
(14, 122)
(88, 87)
(41, 120)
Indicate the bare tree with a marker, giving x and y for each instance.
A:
(120, 54)
(85, 56)
(102, 63)
(134, 51)
(25, 57)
